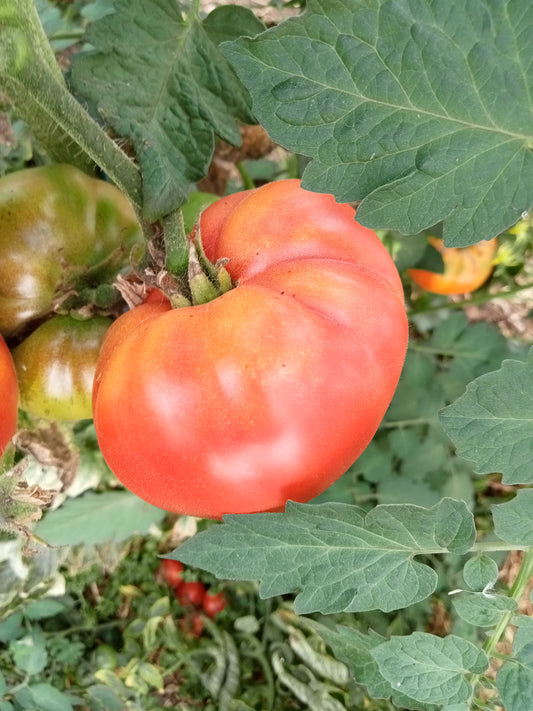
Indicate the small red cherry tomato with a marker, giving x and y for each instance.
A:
(172, 571)
(213, 603)
(190, 593)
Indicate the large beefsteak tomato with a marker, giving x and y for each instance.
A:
(9, 395)
(270, 391)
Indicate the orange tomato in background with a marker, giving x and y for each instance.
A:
(465, 268)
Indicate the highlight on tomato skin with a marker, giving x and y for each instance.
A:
(271, 391)
(465, 268)
(8, 395)
(55, 367)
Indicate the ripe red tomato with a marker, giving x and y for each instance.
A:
(172, 572)
(213, 603)
(271, 391)
(465, 268)
(190, 593)
(56, 364)
(9, 395)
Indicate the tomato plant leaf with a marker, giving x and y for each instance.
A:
(482, 609)
(423, 114)
(354, 648)
(480, 572)
(513, 521)
(492, 423)
(334, 555)
(48, 698)
(158, 78)
(98, 518)
(430, 669)
(515, 685)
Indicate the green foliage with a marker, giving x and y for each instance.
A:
(491, 424)
(98, 518)
(335, 556)
(421, 113)
(399, 104)
(184, 93)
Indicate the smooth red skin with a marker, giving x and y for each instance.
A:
(213, 603)
(172, 572)
(271, 391)
(8, 396)
(190, 593)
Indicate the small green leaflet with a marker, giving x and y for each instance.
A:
(513, 521)
(430, 669)
(492, 423)
(158, 78)
(355, 649)
(515, 678)
(480, 572)
(422, 113)
(515, 685)
(336, 557)
(483, 609)
(98, 518)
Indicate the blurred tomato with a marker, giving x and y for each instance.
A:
(9, 396)
(465, 268)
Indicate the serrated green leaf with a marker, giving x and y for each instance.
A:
(98, 518)
(523, 639)
(492, 423)
(29, 653)
(354, 648)
(159, 79)
(430, 669)
(421, 113)
(480, 572)
(515, 685)
(513, 521)
(104, 699)
(229, 22)
(483, 609)
(334, 555)
(47, 698)
(455, 529)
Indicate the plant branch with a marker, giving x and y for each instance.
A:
(32, 81)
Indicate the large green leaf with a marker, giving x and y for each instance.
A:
(492, 423)
(334, 555)
(422, 109)
(158, 78)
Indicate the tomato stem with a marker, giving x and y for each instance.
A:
(32, 80)
(176, 246)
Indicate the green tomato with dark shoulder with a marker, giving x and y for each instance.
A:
(55, 367)
(60, 231)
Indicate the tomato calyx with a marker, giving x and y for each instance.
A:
(207, 281)
(199, 282)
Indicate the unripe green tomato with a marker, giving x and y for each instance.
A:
(55, 367)
(60, 230)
